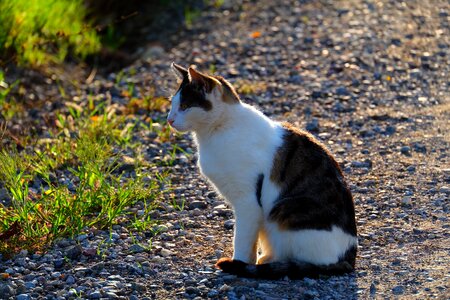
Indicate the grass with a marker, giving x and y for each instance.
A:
(246, 87)
(45, 31)
(70, 182)
(7, 107)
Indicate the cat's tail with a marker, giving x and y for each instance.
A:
(277, 270)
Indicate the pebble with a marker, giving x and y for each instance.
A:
(95, 295)
(406, 201)
(58, 263)
(6, 290)
(212, 294)
(136, 248)
(166, 252)
(444, 189)
(23, 297)
(197, 204)
(73, 252)
(313, 125)
(398, 290)
(405, 150)
(229, 224)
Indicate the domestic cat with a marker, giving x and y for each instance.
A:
(294, 213)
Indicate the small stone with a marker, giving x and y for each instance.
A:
(309, 281)
(74, 252)
(213, 294)
(406, 201)
(405, 150)
(95, 295)
(411, 169)
(311, 293)
(390, 130)
(136, 248)
(377, 75)
(89, 252)
(23, 297)
(362, 164)
(373, 289)
(420, 148)
(70, 279)
(444, 189)
(58, 263)
(396, 42)
(139, 287)
(398, 290)
(342, 91)
(197, 204)
(229, 224)
(316, 94)
(225, 287)
(153, 52)
(313, 125)
(267, 286)
(158, 259)
(165, 252)
(30, 285)
(81, 237)
(6, 290)
(192, 290)
(112, 295)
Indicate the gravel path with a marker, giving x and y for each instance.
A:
(369, 78)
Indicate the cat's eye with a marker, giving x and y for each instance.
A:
(183, 106)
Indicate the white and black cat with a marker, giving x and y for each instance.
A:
(289, 196)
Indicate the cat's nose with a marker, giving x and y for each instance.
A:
(170, 121)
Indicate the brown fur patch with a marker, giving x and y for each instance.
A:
(229, 95)
(206, 81)
(313, 194)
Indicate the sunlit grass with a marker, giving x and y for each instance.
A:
(80, 184)
(39, 32)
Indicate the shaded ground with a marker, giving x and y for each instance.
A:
(369, 78)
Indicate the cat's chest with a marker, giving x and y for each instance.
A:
(216, 162)
(234, 158)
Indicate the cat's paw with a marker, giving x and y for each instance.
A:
(230, 265)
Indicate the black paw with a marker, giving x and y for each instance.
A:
(230, 265)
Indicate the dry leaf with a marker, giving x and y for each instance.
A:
(255, 34)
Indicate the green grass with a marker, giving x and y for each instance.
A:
(83, 149)
(39, 32)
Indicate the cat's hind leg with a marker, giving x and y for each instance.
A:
(265, 249)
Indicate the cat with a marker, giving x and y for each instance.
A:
(294, 213)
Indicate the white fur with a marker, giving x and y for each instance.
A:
(236, 143)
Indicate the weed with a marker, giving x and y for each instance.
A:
(178, 206)
(40, 32)
(246, 87)
(190, 14)
(88, 192)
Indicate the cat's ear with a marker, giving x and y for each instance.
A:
(206, 81)
(180, 71)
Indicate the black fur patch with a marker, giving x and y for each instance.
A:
(313, 194)
(259, 185)
(193, 95)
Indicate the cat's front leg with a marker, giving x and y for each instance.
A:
(248, 220)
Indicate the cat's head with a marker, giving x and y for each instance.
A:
(200, 101)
